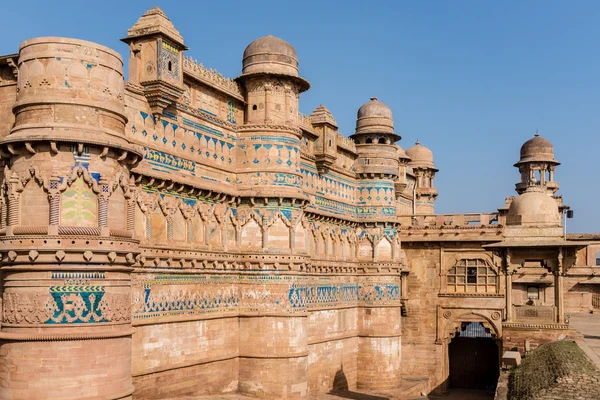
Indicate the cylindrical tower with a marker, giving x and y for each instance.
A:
(271, 194)
(67, 244)
(379, 326)
(424, 171)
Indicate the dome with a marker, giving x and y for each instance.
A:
(420, 156)
(374, 108)
(533, 208)
(271, 55)
(375, 117)
(537, 149)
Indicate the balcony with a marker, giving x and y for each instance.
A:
(534, 313)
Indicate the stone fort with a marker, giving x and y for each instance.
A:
(186, 234)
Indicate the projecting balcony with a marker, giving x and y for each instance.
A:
(534, 314)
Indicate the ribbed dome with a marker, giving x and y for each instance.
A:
(375, 117)
(533, 208)
(537, 149)
(269, 54)
(420, 156)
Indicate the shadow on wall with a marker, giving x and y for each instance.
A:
(340, 389)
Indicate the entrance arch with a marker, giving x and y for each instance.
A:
(473, 358)
(452, 321)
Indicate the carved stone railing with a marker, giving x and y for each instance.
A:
(535, 313)
(448, 220)
(305, 123)
(211, 77)
(346, 143)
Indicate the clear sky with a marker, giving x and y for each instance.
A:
(472, 80)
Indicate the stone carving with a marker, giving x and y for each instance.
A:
(66, 305)
(198, 69)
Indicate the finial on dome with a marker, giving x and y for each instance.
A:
(373, 98)
(417, 143)
(536, 133)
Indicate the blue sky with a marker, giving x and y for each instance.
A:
(472, 80)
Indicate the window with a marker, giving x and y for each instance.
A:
(170, 66)
(369, 141)
(381, 140)
(598, 259)
(472, 276)
(533, 292)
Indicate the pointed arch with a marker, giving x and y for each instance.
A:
(279, 234)
(383, 250)
(35, 207)
(252, 234)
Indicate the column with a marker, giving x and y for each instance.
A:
(508, 290)
(558, 288)
(379, 330)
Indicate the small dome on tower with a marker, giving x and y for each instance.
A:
(533, 208)
(271, 55)
(420, 156)
(375, 117)
(374, 108)
(537, 149)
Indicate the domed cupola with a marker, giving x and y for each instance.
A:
(534, 208)
(270, 55)
(420, 157)
(536, 165)
(423, 169)
(374, 124)
(375, 138)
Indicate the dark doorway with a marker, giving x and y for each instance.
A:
(473, 358)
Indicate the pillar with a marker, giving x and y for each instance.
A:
(558, 289)
(273, 361)
(508, 296)
(379, 330)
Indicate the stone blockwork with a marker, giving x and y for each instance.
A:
(186, 234)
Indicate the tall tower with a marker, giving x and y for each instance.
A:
(424, 170)
(156, 59)
(67, 226)
(269, 213)
(378, 166)
(536, 165)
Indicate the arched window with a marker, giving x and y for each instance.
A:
(170, 66)
(369, 141)
(381, 140)
(472, 276)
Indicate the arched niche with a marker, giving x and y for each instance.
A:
(35, 208)
(117, 209)
(179, 226)
(79, 205)
(346, 249)
(197, 228)
(365, 250)
(279, 235)
(301, 244)
(159, 225)
(214, 232)
(230, 233)
(140, 222)
(383, 251)
(251, 235)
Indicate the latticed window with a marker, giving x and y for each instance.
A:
(472, 276)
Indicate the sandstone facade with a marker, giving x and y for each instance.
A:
(182, 233)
